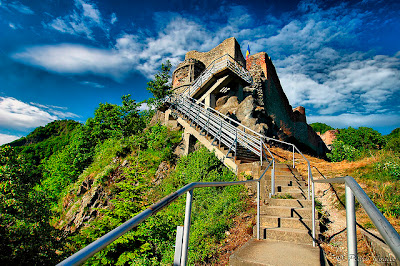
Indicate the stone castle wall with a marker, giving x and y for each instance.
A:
(271, 112)
(292, 122)
(185, 74)
(229, 46)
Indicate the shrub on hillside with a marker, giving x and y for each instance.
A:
(321, 127)
(342, 151)
(393, 145)
(361, 138)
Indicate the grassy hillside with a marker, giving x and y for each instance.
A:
(59, 197)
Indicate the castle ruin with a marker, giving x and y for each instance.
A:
(248, 91)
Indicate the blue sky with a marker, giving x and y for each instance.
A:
(59, 59)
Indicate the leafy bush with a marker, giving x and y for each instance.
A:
(393, 145)
(321, 127)
(361, 138)
(390, 166)
(152, 242)
(341, 151)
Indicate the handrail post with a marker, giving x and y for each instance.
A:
(351, 227)
(309, 179)
(294, 166)
(313, 213)
(273, 178)
(220, 133)
(258, 210)
(186, 227)
(236, 140)
(261, 151)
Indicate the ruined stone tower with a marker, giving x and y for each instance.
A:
(248, 91)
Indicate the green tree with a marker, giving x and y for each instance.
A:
(362, 138)
(26, 236)
(321, 127)
(160, 86)
(114, 121)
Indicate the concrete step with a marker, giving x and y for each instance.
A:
(294, 195)
(285, 211)
(302, 236)
(272, 252)
(285, 222)
(291, 189)
(287, 182)
(294, 203)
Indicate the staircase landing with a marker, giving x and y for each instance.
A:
(272, 252)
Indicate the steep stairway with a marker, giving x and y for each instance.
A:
(285, 225)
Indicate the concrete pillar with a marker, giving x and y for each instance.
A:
(186, 142)
(167, 116)
(210, 100)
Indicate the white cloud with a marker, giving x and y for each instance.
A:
(113, 18)
(144, 107)
(76, 59)
(315, 62)
(17, 6)
(92, 84)
(80, 21)
(4, 138)
(357, 120)
(16, 114)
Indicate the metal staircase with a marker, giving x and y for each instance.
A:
(240, 141)
(218, 65)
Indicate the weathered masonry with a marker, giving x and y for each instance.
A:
(247, 91)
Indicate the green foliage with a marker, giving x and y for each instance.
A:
(160, 86)
(395, 133)
(361, 138)
(393, 144)
(388, 198)
(283, 196)
(151, 243)
(350, 144)
(341, 151)
(114, 121)
(51, 130)
(26, 237)
(321, 127)
(388, 169)
(385, 176)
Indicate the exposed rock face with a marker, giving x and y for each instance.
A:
(328, 137)
(162, 172)
(84, 210)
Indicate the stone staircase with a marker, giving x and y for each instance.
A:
(285, 225)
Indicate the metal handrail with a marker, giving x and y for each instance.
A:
(211, 120)
(218, 64)
(101, 243)
(387, 231)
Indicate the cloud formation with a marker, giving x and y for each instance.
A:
(357, 120)
(18, 115)
(4, 138)
(83, 19)
(317, 52)
(16, 6)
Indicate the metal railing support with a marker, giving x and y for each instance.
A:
(351, 227)
(294, 166)
(186, 227)
(273, 178)
(258, 209)
(313, 213)
(178, 246)
(309, 179)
